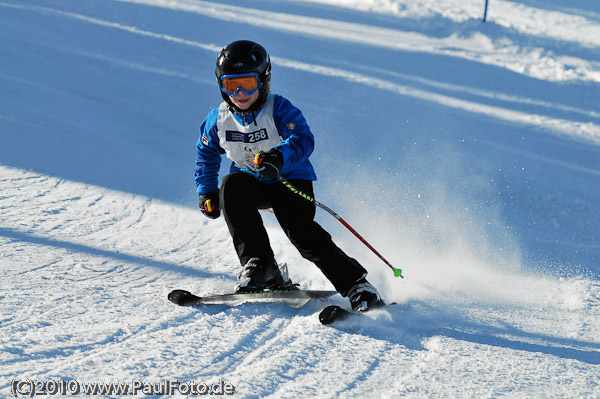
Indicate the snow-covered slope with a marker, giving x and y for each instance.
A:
(467, 153)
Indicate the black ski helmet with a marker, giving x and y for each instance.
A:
(245, 56)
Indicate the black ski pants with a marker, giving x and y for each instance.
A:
(241, 198)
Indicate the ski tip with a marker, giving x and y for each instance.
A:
(332, 313)
(179, 297)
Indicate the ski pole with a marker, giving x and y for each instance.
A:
(397, 272)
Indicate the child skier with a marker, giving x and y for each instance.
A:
(265, 137)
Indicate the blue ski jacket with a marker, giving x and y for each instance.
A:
(279, 124)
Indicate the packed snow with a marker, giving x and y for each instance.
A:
(467, 153)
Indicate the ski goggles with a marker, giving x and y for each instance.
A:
(246, 82)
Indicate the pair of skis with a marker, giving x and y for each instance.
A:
(328, 315)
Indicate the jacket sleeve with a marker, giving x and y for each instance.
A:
(208, 160)
(298, 141)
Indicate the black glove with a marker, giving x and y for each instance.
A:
(209, 205)
(268, 163)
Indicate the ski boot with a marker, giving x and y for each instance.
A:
(363, 296)
(260, 274)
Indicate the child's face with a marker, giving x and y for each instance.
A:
(244, 101)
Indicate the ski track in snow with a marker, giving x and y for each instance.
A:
(585, 130)
(106, 305)
(87, 268)
(464, 41)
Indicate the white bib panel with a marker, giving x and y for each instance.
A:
(241, 143)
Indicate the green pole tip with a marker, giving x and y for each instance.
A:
(398, 273)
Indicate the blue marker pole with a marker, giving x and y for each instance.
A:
(485, 11)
